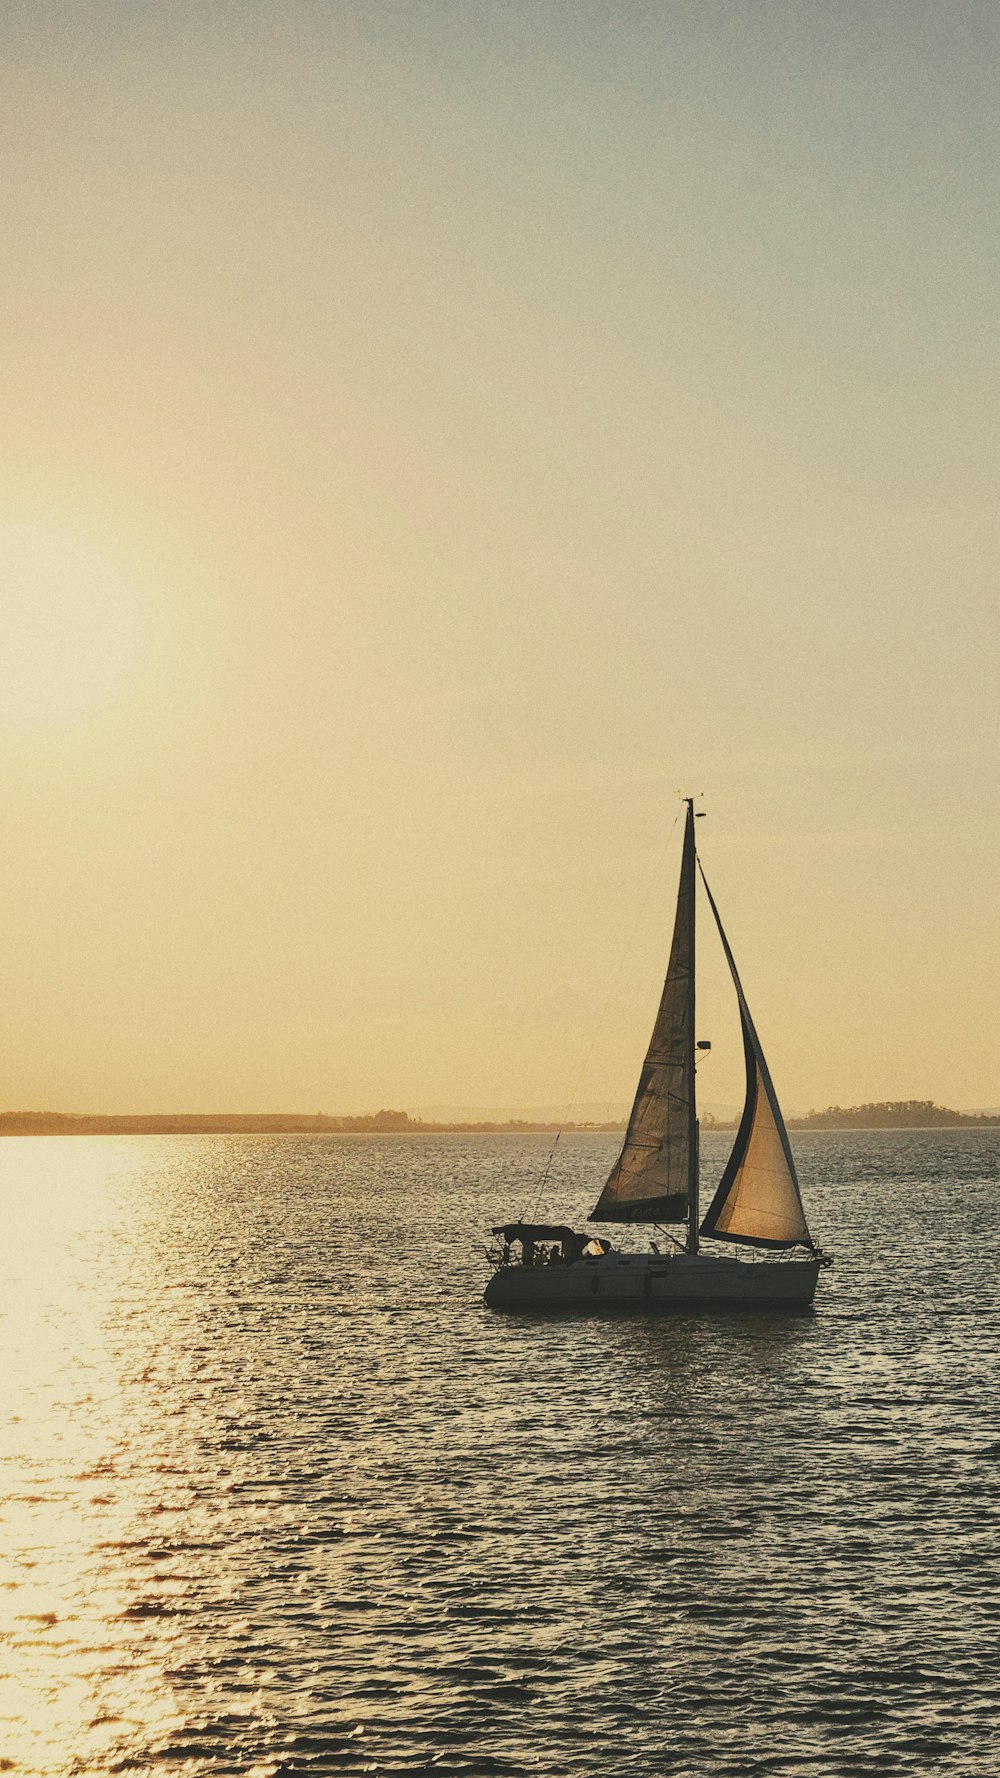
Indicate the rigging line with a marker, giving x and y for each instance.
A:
(654, 877)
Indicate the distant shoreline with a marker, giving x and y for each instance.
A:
(53, 1123)
(915, 1114)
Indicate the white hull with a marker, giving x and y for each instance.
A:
(655, 1284)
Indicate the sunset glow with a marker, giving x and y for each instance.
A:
(71, 627)
(439, 438)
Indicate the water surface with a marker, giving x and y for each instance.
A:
(279, 1496)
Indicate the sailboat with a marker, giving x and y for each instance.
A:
(757, 1206)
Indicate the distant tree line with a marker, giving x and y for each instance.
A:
(890, 1114)
(55, 1123)
(881, 1114)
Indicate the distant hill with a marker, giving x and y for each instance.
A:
(892, 1114)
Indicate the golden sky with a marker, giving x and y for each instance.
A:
(436, 435)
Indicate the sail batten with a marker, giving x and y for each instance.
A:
(650, 1181)
(758, 1203)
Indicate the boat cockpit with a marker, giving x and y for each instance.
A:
(547, 1244)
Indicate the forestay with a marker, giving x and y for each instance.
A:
(650, 1180)
(758, 1201)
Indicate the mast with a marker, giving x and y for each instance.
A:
(688, 887)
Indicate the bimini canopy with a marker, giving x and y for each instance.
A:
(534, 1231)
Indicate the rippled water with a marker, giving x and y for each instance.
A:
(280, 1496)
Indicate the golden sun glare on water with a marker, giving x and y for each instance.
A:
(71, 627)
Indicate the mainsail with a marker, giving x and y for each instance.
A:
(650, 1181)
(758, 1201)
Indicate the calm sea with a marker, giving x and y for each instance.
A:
(279, 1496)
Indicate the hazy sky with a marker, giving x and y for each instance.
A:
(434, 436)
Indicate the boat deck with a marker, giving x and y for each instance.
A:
(648, 1282)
